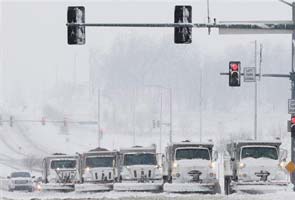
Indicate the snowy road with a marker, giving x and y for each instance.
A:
(141, 196)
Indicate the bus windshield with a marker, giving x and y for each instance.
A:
(99, 162)
(140, 159)
(193, 153)
(259, 152)
(63, 164)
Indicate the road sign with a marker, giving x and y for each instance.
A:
(87, 122)
(290, 167)
(291, 106)
(249, 74)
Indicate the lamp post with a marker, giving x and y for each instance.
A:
(161, 111)
(100, 96)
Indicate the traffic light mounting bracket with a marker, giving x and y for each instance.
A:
(266, 75)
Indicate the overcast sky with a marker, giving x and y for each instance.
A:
(35, 54)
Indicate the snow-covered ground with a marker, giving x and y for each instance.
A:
(287, 195)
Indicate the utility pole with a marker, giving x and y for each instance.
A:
(260, 61)
(99, 117)
(169, 90)
(292, 77)
(161, 118)
(170, 135)
(201, 107)
(75, 71)
(255, 91)
(134, 116)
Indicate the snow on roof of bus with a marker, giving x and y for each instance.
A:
(138, 148)
(98, 149)
(192, 142)
(258, 141)
(61, 155)
(276, 143)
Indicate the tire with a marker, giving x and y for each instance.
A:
(216, 189)
(165, 179)
(169, 179)
(227, 187)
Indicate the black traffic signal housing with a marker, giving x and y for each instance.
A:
(76, 34)
(154, 123)
(183, 14)
(11, 119)
(234, 74)
(43, 121)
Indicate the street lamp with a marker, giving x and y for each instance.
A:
(161, 110)
(99, 109)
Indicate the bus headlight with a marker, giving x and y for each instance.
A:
(39, 187)
(87, 169)
(242, 165)
(283, 164)
(175, 164)
(212, 165)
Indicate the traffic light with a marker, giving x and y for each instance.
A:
(11, 121)
(76, 34)
(234, 73)
(183, 35)
(65, 122)
(154, 123)
(158, 123)
(292, 124)
(43, 121)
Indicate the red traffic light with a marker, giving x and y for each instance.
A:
(293, 120)
(65, 122)
(234, 73)
(43, 121)
(234, 67)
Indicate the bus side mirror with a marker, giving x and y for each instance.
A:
(283, 155)
(160, 157)
(215, 155)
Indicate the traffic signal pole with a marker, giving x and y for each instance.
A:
(99, 117)
(255, 92)
(292, 78)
